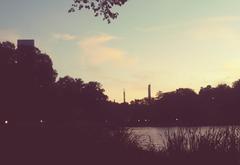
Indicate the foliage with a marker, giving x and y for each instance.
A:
(99, 7)
(202, 146)
(94, 144)
(29, 90)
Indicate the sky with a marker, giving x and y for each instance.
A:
(169, 44)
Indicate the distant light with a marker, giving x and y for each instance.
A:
(177, 119)
(6, 122)
(41, 121)
(138, 121)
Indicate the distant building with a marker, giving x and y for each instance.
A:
(25, 43)
(124, 96)
(149, 93)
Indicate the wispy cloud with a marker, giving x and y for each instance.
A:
(216, 28)
(215, 32)
(97, 51)
(64, 36)
(9, 35)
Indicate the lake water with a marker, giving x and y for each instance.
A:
(147, 135)
(157, 135)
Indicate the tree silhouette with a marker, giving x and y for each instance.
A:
(99, 7)
(236, 85)
(76, 99)
(159, 95)
(26, 77)
(29, 91)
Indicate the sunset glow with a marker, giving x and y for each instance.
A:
(169, 44)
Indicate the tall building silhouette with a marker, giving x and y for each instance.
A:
(124, 96)
(25, 43)
(149, 93)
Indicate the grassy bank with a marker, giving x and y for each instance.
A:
(98, 145)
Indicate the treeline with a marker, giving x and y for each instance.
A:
(218, 105)
(31, 92)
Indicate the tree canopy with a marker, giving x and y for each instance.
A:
(99, 7)
(29, 90)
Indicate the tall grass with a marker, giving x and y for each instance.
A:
(197, 146)
(99, 145)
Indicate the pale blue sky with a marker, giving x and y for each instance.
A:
(168, 43)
